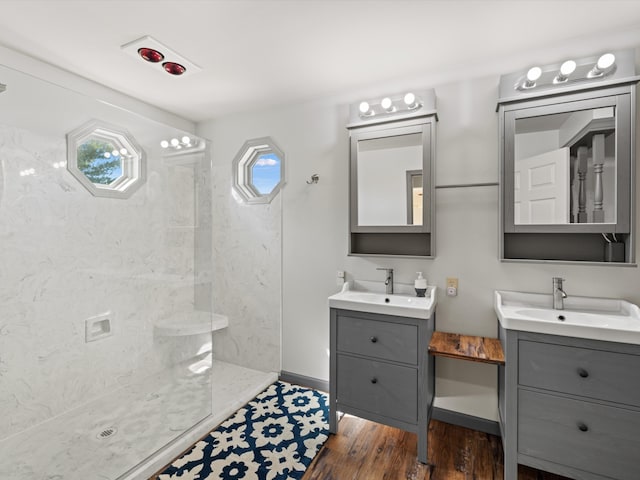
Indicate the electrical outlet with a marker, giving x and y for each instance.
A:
(452, 286)
(340, 278)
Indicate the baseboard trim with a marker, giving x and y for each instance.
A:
(467, 421)
(304, 381)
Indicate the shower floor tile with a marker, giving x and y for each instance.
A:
(109, 436)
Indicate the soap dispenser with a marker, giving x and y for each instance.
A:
(420, 285)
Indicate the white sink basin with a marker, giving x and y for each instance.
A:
(584, 317)
(394, 304)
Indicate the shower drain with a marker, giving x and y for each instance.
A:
(107, 432)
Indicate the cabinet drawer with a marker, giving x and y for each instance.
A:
(378, 387)
(385, 340)
(580, 371)
(583, 435)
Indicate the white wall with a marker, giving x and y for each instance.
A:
(315, 230)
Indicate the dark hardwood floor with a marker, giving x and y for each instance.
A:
(364, 450)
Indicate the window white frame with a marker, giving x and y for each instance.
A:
(133, 164)
(243, 164)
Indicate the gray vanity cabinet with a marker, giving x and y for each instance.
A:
(381, 371)
(570, 406)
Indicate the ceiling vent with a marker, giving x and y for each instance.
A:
(160, 57)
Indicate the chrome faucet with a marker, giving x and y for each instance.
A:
(558, 294)
(389, 280)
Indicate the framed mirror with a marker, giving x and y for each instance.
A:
(389, 166)
(567, 165)
(391, 188)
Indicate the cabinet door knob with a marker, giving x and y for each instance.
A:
(374, 339)
(582, 427)
(374, 380)
(583, 373)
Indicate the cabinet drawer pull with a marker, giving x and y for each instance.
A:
(374, 339)
(582, 427)
(583, 373)
(374, 380)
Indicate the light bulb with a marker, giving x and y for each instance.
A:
(364, 108)
(410, 101)
(175, 142)
(123, 151)
(605, 61)
(387, 104)
(164, 144)
(107, 155)
(534, 74)
(567, 68)
(115, 153)
(186, 140)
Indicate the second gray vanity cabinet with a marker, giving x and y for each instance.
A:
(381, 370)
(570, 406)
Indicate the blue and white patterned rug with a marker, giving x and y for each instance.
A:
(273, 437)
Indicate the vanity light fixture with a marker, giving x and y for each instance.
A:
(394, 104)
(566, 69)
(184, 142)
(604, 63)
(572, 72)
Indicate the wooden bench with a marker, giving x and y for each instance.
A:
(467, 347)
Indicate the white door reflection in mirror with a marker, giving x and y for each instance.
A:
(565, 169)
(383, 166)
(541, 188)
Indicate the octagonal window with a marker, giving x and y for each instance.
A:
(258, 170)
(105, 159)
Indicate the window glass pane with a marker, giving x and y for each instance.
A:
(100, 161)
(265, 173)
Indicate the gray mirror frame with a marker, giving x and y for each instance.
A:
(250, 151)
(134, 172)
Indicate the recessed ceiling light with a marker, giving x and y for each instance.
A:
(150, 55)
(174, 68)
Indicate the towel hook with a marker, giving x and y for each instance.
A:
(314, 179)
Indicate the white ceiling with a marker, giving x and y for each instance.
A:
(259, 53)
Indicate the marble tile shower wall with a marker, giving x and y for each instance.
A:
(247, 270)
(67, 256)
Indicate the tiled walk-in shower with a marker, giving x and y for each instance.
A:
(98, 262)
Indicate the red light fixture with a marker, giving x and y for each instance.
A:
(150, 55)
(174, 68)
(159, 57)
